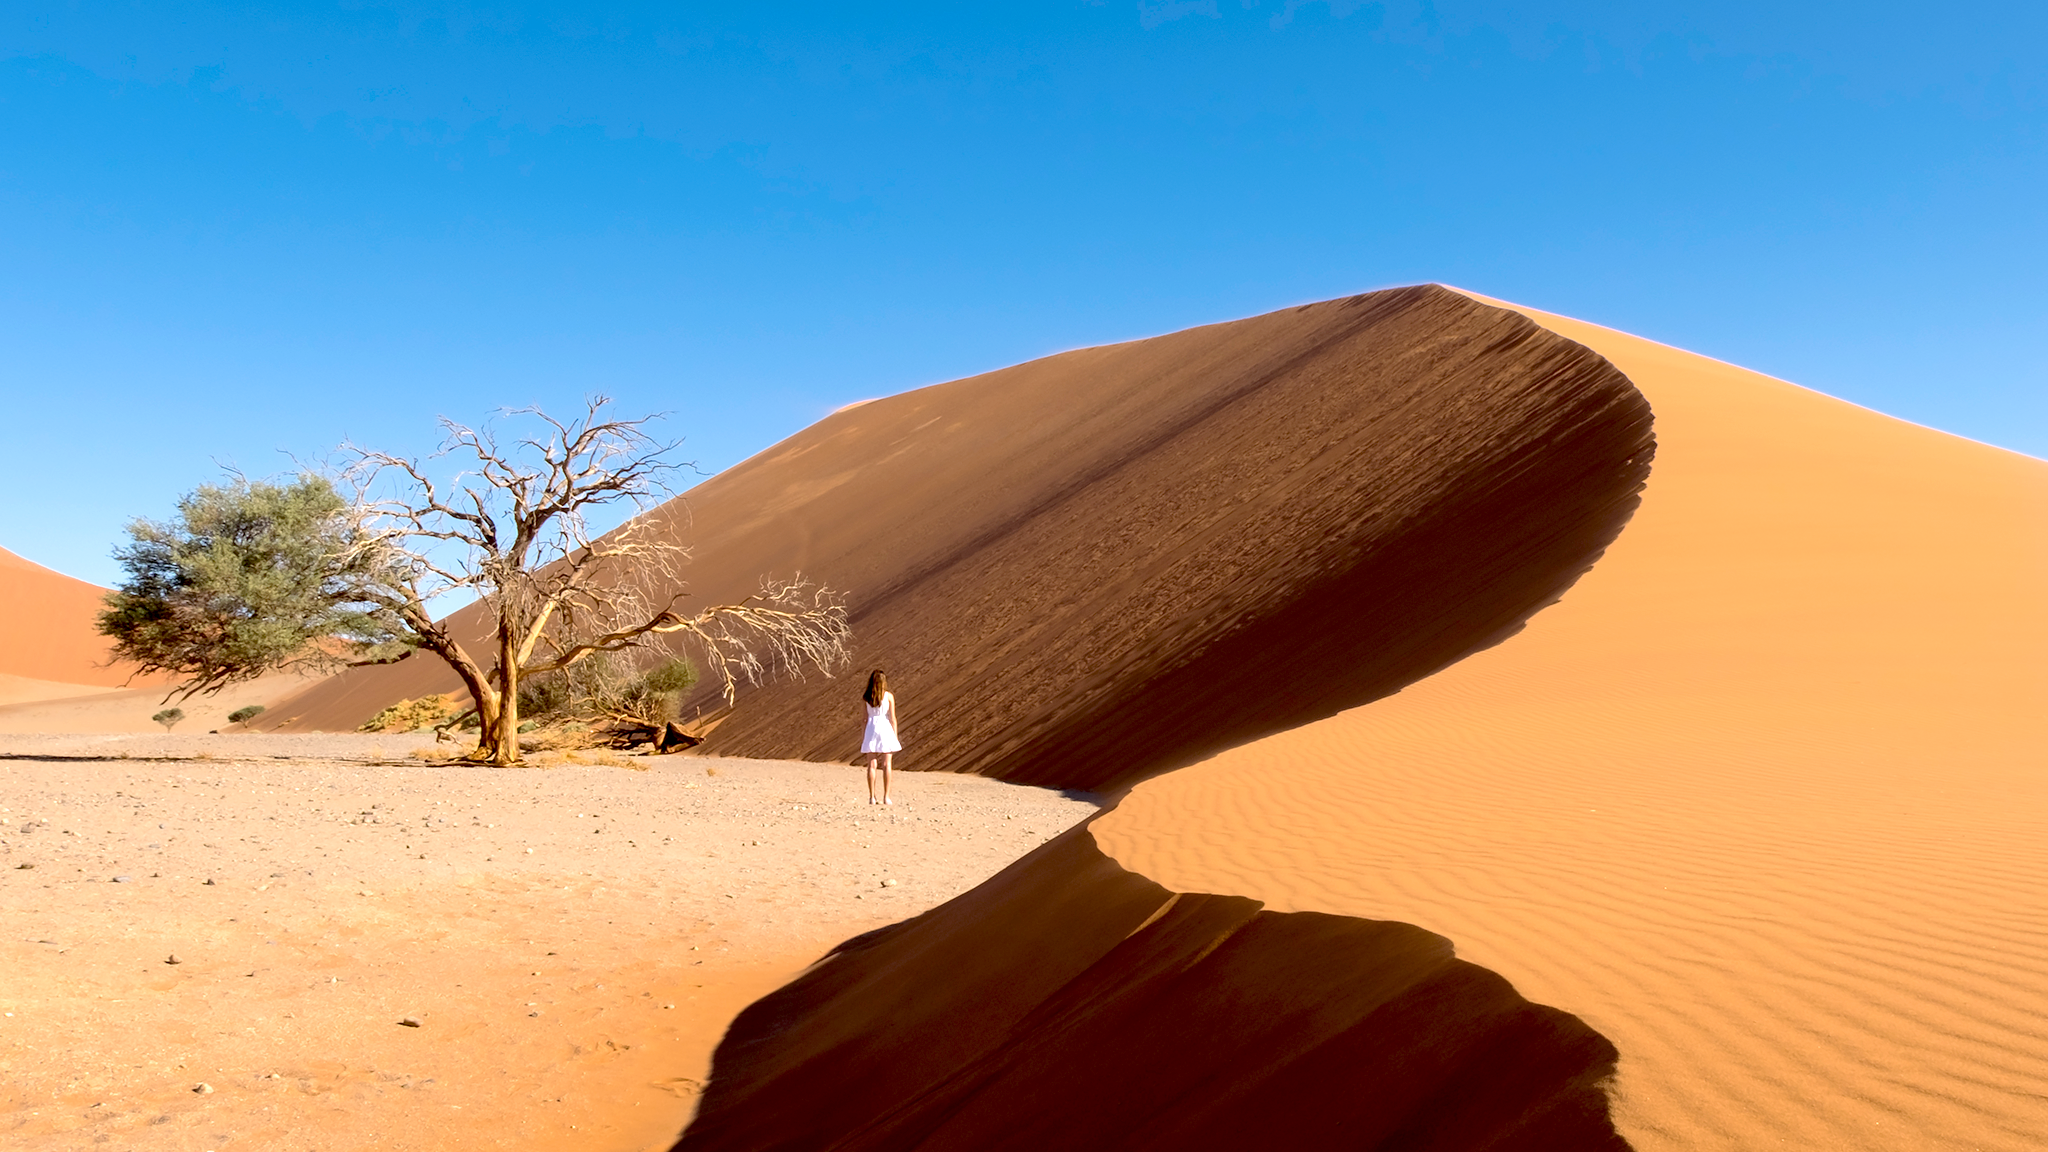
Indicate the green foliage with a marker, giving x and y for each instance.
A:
(249, 576)
(240, 715)
(657, 696)
(411, 715)
(548, 695)
(671, 676)
(169, 717)
(602, 685)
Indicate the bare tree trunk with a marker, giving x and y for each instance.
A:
(504, 734)
(482, 694)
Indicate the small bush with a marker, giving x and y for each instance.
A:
(545, 696)
(411, 715)
(604, 685)
(243, 715)
(169, 717)
(674, 676)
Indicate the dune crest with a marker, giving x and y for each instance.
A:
(1764, 799)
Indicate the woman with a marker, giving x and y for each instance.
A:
(879, 741)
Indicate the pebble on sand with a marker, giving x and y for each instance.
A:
(410, 1022)
(174, 959)
(204, 1089)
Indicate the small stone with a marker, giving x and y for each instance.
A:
(668, 1005)
(124, 879)
(209, 882)
(174, 959)
(203, 1089)
(24, 865)
(888, 883)
(410, 1022)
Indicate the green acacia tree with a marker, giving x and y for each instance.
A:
(250, 576)
(256, 576)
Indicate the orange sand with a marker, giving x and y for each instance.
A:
(572, 938)
(46, 627)
(1762, 800)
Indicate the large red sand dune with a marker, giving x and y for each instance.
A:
(1105, 564)
(1762, 800)
(1102, 564)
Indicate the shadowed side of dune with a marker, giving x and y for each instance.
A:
(1068, 1003)
(1090, 568)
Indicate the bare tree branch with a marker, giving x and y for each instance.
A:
(556, 594)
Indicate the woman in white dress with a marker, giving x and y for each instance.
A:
(879, 741)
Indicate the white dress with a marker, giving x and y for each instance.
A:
(881, 734)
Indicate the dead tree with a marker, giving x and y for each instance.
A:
(512, 529)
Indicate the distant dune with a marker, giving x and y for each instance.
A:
(46, 627)
(57, 674)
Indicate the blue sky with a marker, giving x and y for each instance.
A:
(229, 232)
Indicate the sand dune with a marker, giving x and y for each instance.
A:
(1418, 486)
(1760, 800)
(1071, 565)
(1763, 799)
(21, 689)
(46, 627)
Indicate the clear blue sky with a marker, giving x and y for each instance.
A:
(232, 230)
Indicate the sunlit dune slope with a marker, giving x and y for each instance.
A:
(1764, 799)
(1095, 566)
(47, 628)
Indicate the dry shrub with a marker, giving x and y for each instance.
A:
(412, 715)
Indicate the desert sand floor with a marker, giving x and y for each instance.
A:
(1764, 798)
(571, 939)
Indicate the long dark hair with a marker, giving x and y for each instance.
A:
(878, 687)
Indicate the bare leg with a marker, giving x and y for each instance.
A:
(887, 768)
(872, 798)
